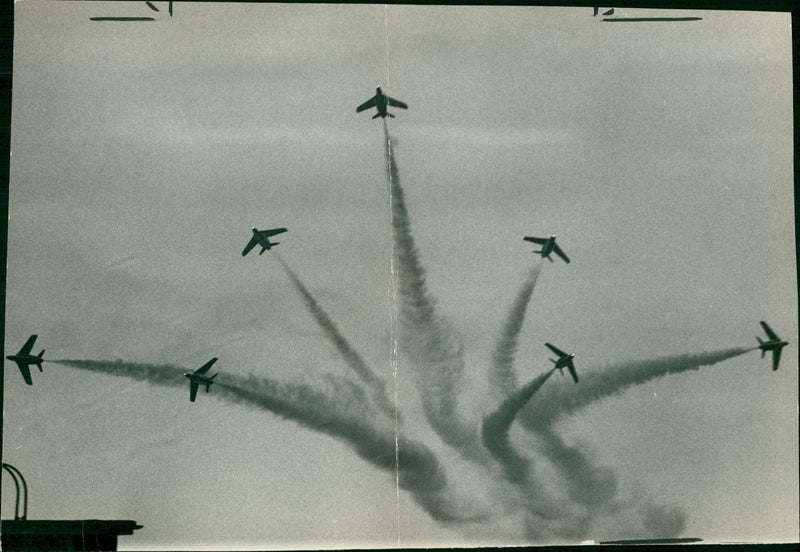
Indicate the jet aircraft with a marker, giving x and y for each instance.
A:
(261, 237)
(381, 101)
(548, 246)
(152, 7)
(774, 344)
(24, 359)
(198, 378)
(564, 361)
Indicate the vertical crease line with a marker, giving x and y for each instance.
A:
(392, 292)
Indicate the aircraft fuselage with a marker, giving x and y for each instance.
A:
(548, 246)
(564, 361)
(26, 359)
(772, 345)
(380, 102)
(199, 379)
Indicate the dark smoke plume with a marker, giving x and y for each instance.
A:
(555, 402)
(588, 484)
(502, 375)
(350, 356)
(429, 341)
(496, 425)
(417, 467)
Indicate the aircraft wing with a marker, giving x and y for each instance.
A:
(151, 6)
(372, 102)
(250, 245)
(776, 358)
(770, 333)
(204, 368)
(560, 253)
(572, 372)
(556, 350)
(26, 349)
(273, 232)
(192, 391)
(26, 372)
(395, 103)
(535, 240)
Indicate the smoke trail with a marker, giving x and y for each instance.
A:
(351, 357)
(496, 425)
(502, 375)
(419, 470)
(557, 401)
(587, 483)
(429, 342)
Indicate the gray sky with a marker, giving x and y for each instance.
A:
(142, 153)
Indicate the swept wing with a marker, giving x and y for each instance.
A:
(204, 368)
(372, 102)
(556, 350)
(192, 391)
(26, 349)
(394, 103)
(571, 368)
(26, 372)
(540, 241)
(770, 333)
(272, 232)
(560, 253)
(776, 358)
(250, 245)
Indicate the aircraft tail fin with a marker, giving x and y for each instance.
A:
(390, 115)
(550, 259)
(596, 9)
(39, 365)
(376, 115)
(214, 376)
(551, 360)
(40, 354)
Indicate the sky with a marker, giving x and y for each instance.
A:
(660, 154)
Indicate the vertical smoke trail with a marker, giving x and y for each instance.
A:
(428, 340)
(351, 357)
(494, 430)
(502, 375)
(419, 469)
(557, 401)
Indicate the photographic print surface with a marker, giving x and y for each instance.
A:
(518, 185)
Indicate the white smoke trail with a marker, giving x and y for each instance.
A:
(428, 340)
(350, 356)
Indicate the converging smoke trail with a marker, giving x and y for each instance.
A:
(502, 375)
(555, 402)
(587, 484)
(331, 331)
(418, 467)
(427, 339)
(496, 425)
